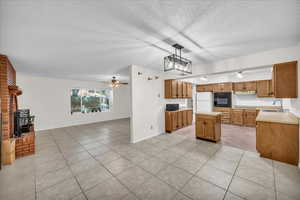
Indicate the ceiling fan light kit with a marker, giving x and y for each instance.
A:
(175, 62)
(116, 83)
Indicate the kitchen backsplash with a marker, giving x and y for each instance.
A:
(252, 100)
(182, 102)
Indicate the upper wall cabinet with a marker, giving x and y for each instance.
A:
(264, 88)
(244, 86)
(222, 87)
(285, 80)
(177, 89)
(204, 88)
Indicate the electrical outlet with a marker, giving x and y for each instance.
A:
(151, 127)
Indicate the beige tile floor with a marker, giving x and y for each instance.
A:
(96, 161)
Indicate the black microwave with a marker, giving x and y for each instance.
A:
(222, 99)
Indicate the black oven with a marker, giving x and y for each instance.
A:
(222, 99)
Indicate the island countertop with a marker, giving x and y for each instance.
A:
(277, 117)
(256, 107)
(209, 113)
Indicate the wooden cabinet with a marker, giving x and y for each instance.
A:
(264, 88)
(285, 80)
(189, 88)
(204, 88)
(189, 117)
(278, 141)
(178, 119)
(184, 89)
(170, 89)
(244, 86)
(226, 114)
(208, 127)
(222, 87)
(184, 118)
(177, 89)
(171, 121)
(250, 117)
(237, 116)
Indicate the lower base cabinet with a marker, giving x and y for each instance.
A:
(278, 141)
(208, 127)
(226, 114)
(178, 119)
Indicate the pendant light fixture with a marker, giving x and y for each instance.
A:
(175, 62)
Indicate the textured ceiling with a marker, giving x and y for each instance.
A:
(95, 39)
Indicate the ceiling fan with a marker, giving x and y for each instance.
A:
(116, 83)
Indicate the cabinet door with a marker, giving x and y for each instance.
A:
(250, 86)
(222, 87)
(179, 119)
(237, 117)
(168, 122)
(285, 143)
(174, 89)
(250, 117)
(189, 117)
(285, 80)
(179, 89)
(264, 88)
(200, 88)
(200, 128)
(189, 90)
(209, 129)
(184, 118)
(184, 89)
(238, 87)
(174, 120)
(264, 139)
(271, 92)
(168, 89)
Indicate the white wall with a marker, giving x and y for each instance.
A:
(266, 58)
(147, 104)
(252, 100)
(49, 100)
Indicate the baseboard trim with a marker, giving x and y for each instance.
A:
(145, 138)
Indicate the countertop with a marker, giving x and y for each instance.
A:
(181, 109)
(279, 117)
(209, 113)
(256, 107)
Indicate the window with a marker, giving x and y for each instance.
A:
(90, 100)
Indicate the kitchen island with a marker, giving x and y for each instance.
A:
(277, 136)
(208, 126)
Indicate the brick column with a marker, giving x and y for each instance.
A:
(4, 96)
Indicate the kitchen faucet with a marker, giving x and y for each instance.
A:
(281, 106)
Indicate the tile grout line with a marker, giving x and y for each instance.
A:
(193, 175)
(234, 176)
(101, 164)
(275, 188)
(69, 167)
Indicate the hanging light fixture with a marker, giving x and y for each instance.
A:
(175, 62)
(204, 78)
(239, 74)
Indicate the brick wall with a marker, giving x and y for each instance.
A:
(8, 103)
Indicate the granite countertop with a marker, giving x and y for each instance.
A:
(277, 117)
(256, 107)
(209, 113)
